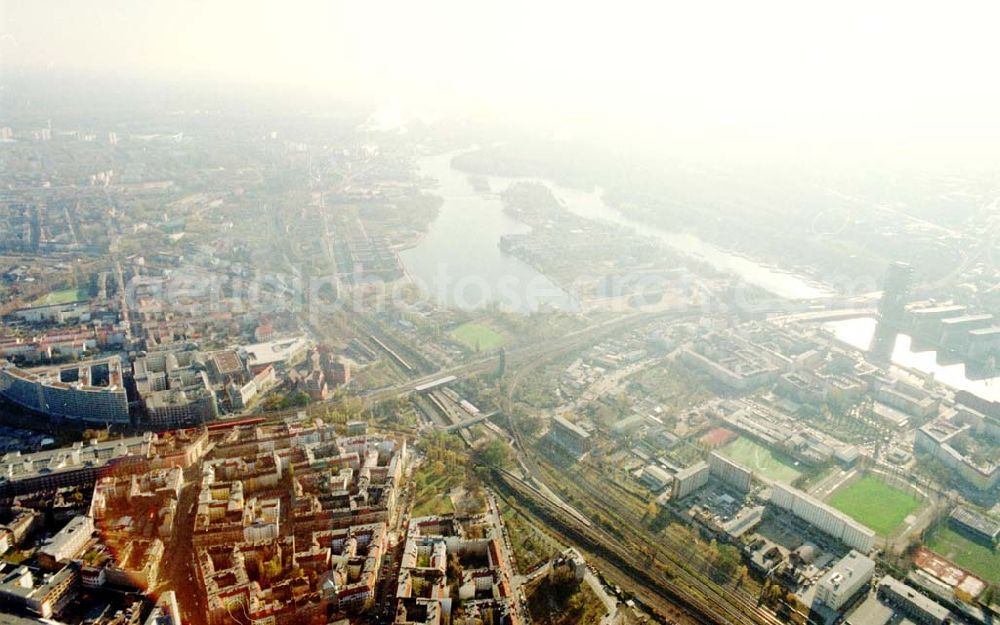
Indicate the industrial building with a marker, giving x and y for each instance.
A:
(977, 526)
(570, 436)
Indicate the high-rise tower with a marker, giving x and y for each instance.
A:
(891, 308)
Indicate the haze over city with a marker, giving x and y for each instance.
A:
(449, 313)
(895, 69)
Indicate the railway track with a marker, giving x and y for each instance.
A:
(666, 595)
(684, 586)
(679, 559)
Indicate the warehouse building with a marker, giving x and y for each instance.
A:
(975, 525)
(570, 436)
(655, 477)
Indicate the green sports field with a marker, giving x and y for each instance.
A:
(62, 297)
(976, 557)
(477, 336)
(874, 503)
(760, 460)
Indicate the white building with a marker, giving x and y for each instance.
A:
(655, 477)
(68, 542)
(823, 517)
(689, 480)
(845, 580)
(729, 472)
(280, 353)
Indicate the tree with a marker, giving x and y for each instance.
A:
(651, 510)
(439, 468)
(724, 559)
(272, 570)
(529, 425)
(495, 454)
(295, 399)
(963, 595)
(742, 573)
(987, 597)
(99, 433)
(454, 567)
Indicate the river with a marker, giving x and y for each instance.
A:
(859, 332)
(786, 285)
(459, 262)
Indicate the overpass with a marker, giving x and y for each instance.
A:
(464, 423)
(525, 353)
(826, 315)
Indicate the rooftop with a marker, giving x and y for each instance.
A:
(917, 600)
(572, 427)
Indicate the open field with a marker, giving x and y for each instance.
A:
(478, 337)
(433, 482)
(875, 503)
(530, 547)
(431, 498)
(62, 297)
(760, 460)
(975, 557)
(561, 601)
(718, 437)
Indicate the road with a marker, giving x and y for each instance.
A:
(506, 564)
(525, 354)
(610, 603)
(826, 486)
(177, 569)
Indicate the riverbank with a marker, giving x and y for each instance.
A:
(592, 205)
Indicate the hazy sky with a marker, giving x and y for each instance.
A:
(826, 68)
